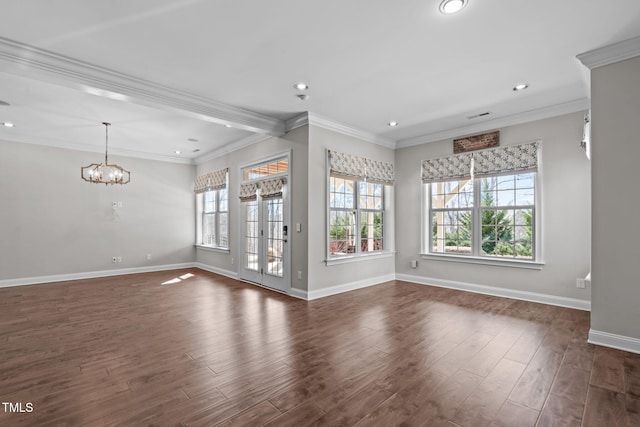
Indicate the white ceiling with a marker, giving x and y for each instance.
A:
(182, 69)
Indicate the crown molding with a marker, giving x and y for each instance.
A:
(514, 119)
(231, 147)
(309, 118)
(88, 77)
(610, 54)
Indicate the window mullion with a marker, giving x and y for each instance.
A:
(477, 218)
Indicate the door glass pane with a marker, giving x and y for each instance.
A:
(275, 237)
(251, 238)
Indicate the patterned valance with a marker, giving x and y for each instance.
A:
(211, 181)
(448, 168)
(510, 159)
(248, 191)
(347, 166)
(271, 188)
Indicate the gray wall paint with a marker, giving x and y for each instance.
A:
(52, 222)
(565, 213)
(296, 141)
(320, 275)
(615, 91)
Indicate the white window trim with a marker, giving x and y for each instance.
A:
(213, 248)
(348, 259)
(536, 264)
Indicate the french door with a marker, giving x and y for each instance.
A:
(265, 239)
(264, 249)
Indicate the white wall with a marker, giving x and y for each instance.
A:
(565, 212)
(54, 223)
(322, 276)
(615, 91)
(296, 141)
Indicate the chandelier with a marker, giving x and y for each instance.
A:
(104, 173)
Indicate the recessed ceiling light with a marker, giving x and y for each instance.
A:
(452, 6)
(521, 86)
(301, 86)
(392, 124)
(228, 126)
(9, 125)
(178, 152)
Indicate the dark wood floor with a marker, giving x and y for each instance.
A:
(207, 350)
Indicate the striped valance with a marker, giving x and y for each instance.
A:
(211, 181)
(511, 159)
(269, 189)
(348, 166)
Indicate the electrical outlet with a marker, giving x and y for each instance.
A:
(232, 260)
(299, 275)
(580, 283)
(119, 259)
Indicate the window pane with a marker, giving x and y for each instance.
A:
(370, 231)
(223, 195)
(342, 233)
(208, 229)
(525, 180)
(223, 230)
(452, 194)
(209, 199)
(341, 193)
(452, 232)
(370, 195)
(505, 198)
(525, 197)
(507, 182)
(251, 238)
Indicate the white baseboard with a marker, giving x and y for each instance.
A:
(578, 304)
(299, 293)
(90, 274)
(220, 271)
(619, 342)
(334, 290)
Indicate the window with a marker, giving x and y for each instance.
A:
(212, 210)
(215, 218)
(482, 204)
(356, 210)
(485, 217)
(356, 193)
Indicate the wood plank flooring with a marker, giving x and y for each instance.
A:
(205, 350)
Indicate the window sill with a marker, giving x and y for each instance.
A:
(357, 258)
(512, 263)
(213, 249)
